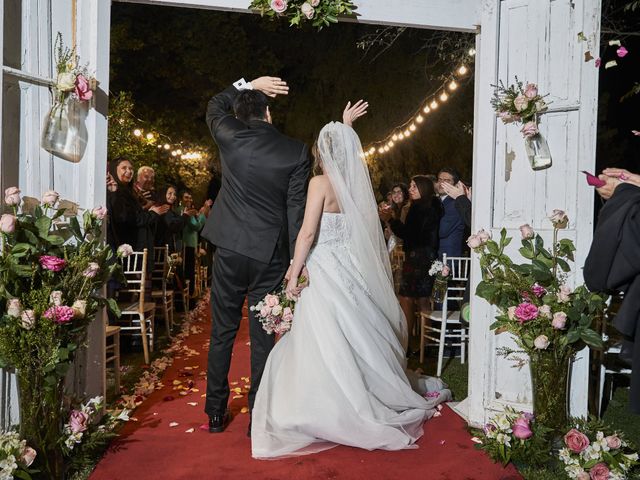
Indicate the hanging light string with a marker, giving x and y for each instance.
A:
(175, 149)
(432, 102)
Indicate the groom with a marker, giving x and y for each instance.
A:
(254, 223)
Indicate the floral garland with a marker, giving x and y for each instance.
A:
(321, 13)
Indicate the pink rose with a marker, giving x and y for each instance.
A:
(50, 198)
(99, 213)
(599, 471)
(8, 223)
(564, 294)
(559, 320)
(538, 290)
(91, 271)
(59, 315)
(531, 90)
(541, 342)
(278, 6)
(445, 271)
(484, 236)
(271, 301)
(525, 312)
(287, 314)
(83, 88)
(474, 241)
(583, 476)
(265, 311)
(521, 428)
(530, 129)
(559, 218)
(521, 103)
(613, 442)
(124, 250)
(506, 117)
(315, 3)
(576, 441)
(78, 421)
(307, 10)
(526, 231)
(28, 456)
(50, 262)
(12, 196)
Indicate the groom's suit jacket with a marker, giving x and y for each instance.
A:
(261, 202)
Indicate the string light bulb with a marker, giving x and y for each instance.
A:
(419, 119)
(372, 150)
(386, 148)
(426, 109)
(137, 132)
(401, 136)
(149, 136)
(412, 127)
(391, 143)
(434, 105)
(453, 85)
(394, 137)
(167, 146)
(407, 132)
(462, 70)
(381, 150)
(472, 52)
(444, 97)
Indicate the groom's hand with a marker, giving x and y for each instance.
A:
(270, 86)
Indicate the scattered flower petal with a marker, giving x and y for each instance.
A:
(191, 430)
(622, 52)
(442, 442)
(610, 64)
(204, 426)
(193, 404)
(244, 410)
(174, 424)
(476, 440)
(614, 42)
(437, 414)
(237, 396)
(598, 62)
(636, 133)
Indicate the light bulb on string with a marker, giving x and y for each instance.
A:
(426, 109)
(401, 136)
(394, 137)
(453, 85)
(167, 146)
(462, 70)
(179, 152)
(412, 127)
(419, 119)
(407, 132)
(381, 150)
(372, 150)
(434, 105)
(391, 143)
(444, 97)
(386, 148)
(149, 136)
(174, 153)
(137, 132)
(472, 52)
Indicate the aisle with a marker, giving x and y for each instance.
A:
(166, 441)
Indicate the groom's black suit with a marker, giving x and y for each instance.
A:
(254, 223)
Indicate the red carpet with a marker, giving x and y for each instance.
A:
(151, 449)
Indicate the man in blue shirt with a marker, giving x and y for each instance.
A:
(451, 223)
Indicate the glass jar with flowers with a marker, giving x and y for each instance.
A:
(64, 133)
(548, 319)
(523, 104)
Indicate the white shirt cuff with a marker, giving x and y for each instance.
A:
(243, 85)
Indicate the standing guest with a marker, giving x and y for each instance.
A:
(172, 223)
(194, 221)
(461, 195)
(613, 263)
(144, 186)
(130, 222)
(400, 201)
(419, 233)
(451, 224)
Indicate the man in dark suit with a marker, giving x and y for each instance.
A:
(254, 224)
(451, 223)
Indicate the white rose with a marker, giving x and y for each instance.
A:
(49, 198)
(14, 307)
(28, 319)
(124, 250)
(79, 308)
(559, 218)
(307, 10)
(527, 231)
(559, 320)
(276, 311)
(511, 313)
(545, 311)
(541, 342)
(66, 82)
(484, 236)
(563, 294)
(315, 3)
(56, 298)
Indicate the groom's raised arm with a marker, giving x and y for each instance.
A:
(220, 118)
(297, 197)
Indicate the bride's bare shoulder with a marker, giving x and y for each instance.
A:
(319, 181)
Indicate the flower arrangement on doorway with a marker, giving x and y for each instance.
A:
(52, 271)
(320, 13)
(550, 322)
(64, 133)
(521, 103)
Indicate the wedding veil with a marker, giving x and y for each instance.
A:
(343, 162)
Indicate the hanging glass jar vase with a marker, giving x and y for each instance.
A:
(64, 133)
(538, 152)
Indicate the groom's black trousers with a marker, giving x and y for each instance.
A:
(234, 277)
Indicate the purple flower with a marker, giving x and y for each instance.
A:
(50, 262)
(60, 315)
(538, 290)
(521, 428)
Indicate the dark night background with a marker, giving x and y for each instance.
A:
(172, 60)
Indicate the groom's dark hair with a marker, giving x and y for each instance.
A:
(251, 105)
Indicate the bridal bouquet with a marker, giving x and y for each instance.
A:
(519, 103)
(275, 311)
(592, 451)
(441, 273)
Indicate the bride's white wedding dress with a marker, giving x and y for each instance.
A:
(338, 377)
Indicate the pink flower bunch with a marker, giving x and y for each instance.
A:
(525, 312)
(60, 315)
(53, 263)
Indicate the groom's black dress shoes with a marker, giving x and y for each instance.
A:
(217, 423)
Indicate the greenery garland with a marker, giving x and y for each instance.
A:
(321, 13)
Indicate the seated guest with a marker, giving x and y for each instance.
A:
(451, 224)
(419, 233)
(130, 223)
(172, 223)
(613, 263)
(144, 186)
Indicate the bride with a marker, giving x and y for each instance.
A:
(339, 376)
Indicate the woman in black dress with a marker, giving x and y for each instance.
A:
(170, 225)
(419, 233)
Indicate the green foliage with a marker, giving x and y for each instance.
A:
(322, 15)
(538, 285)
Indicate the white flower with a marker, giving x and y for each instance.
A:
(504, 439)
(563, 294)
(55, 298)
(14, 307)
(545, 311)
(79, 308)
(574, 471)
(633, 457)
(28, 319)
(123, 416)
(307, 10)
(66, 82)
(124, 250)
(276, 311)
(503, 423)
(541, 342)
(436, 267)
(565, 455)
